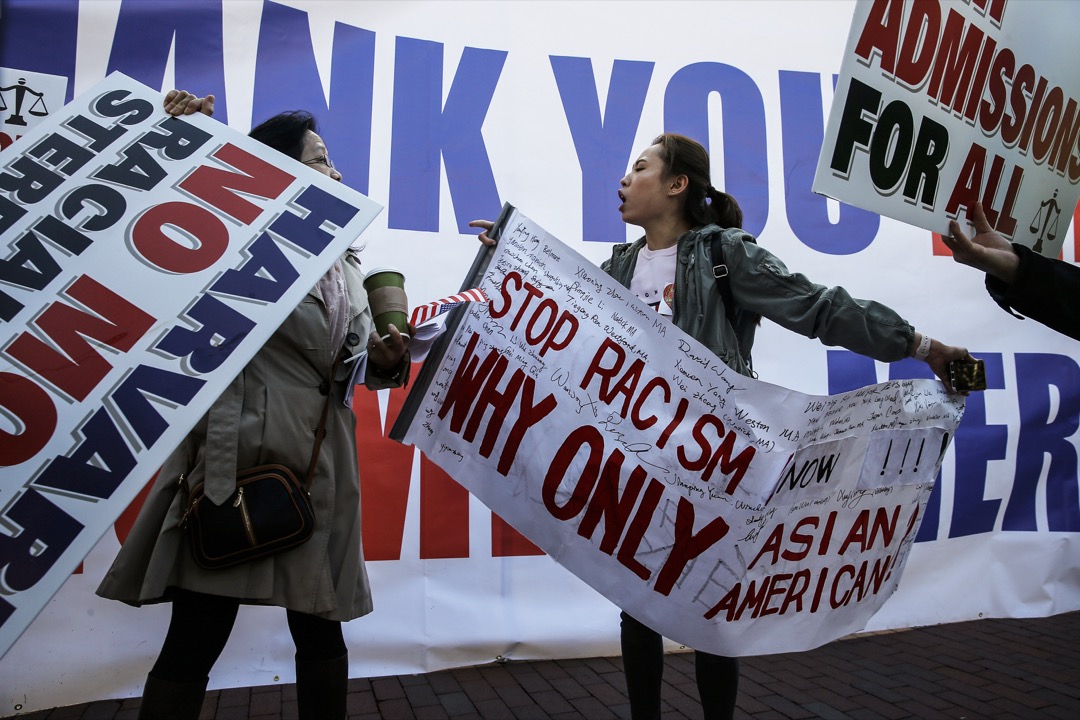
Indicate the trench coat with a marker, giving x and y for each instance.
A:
(268, 414)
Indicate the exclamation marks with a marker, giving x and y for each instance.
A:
(903, 460)
(888, 452)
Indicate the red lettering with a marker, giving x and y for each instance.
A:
(680, 413)
(688, 544)
(606, 374)
(881, 33)
(772, 545)
(702, 461)
(607, 504)
(115, 322)
(638, 526)
(801, 539)
(775, 588)
(33, 413)
(635, 414)
(838, 603)
(957, 55)
(800, 581)
(1022, 82)
(920, 42)
(857, 534)
(385, 471)
(256, 177)
(586, 481)
(205, 237)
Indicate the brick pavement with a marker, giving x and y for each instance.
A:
(982, 670)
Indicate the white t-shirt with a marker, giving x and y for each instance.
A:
(654, 278)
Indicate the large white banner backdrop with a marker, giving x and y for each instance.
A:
(442, 110)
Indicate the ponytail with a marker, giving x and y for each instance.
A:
(722, 209)
(705, 205)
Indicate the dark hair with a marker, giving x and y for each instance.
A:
(286, 132)
(705, 204)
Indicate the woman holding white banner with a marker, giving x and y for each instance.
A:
(711, 279)
(266, 416)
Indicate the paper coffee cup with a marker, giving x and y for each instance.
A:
(386, 296)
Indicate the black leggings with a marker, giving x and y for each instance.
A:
(643, 665)
(201, 625)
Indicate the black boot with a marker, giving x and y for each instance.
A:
(171, 700)
(321, 688)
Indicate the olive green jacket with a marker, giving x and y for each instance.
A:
(760, 283)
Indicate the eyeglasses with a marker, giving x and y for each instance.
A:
(321, 160)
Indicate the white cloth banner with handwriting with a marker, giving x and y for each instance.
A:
(731, 515)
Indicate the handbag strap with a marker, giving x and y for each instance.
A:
(320, 432)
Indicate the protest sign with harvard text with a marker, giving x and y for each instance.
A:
(146, 259)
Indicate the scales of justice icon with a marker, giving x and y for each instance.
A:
(21, 89)
(1045, 222)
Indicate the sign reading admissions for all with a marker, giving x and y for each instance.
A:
(941, 105)
(143, 260)
(733, 516)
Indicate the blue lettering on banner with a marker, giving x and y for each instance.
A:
(22, 23)
(97, 466)
(803, 131)
(145, 34)
(41, 532)
(428, 134)
(604, 145)
(1043, 436)
(977, 444)
(286, 77)
(221, 329)
(686, 111)
(425, 130)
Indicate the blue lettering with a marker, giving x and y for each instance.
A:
(286, 77)
(145, 32)
(746, 167)
(423, 133)
(265, 276)
(45, 532)
(604, 146)
(803, 131)
(21, 45)
(131, 398)
(307, 232)
(975, 445)
(1044, 437)
(97, 466)
(220, 330)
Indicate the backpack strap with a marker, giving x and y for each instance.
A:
(735, 314)
(720, 274)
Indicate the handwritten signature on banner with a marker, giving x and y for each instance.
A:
(732, 515)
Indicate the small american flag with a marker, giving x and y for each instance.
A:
(422, 313)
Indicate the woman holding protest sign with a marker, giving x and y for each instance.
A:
(711, 279)
(267, 416)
